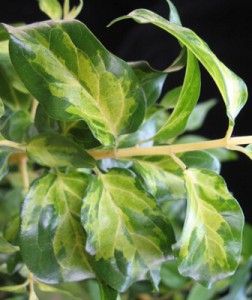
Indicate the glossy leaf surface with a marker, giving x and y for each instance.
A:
(210, 244)
(52, 238)
(127, 235)
(232, 88)
(55, 150)
(70, 72)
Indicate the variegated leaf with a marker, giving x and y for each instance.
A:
(232, 88)
(69, 71)
(127, 234)
(210, 244)
(52, 240)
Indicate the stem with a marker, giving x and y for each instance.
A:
(34, 109)
(11, 144)
(33, 295)
(24, 173)
(171, 149)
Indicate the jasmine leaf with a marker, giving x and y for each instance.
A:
(55, 150)
(52, 239)
(232, 88)
(210, 245)
(6, 247)
(69, 71)
(128, 235)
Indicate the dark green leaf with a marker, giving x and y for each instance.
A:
(188, 98)
(232, 88)
(12, 92)
(127, 236)
(45, 124)
(68, 70)
(107, 293)
(199, 114)
(51, 8)
(52, 239)
(210, 245)
(151, 80)
(55, 150)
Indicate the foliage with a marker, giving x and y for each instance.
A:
(104, 195)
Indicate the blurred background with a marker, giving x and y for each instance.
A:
(223, 24)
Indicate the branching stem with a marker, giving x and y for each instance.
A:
(172, 149)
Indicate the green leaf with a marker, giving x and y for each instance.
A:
(171, 98)
(246, 242)
(51, 8)
(55, 150)
(6, 247)
(19, 289)
(173, 16)
(127, 236)
(12, 92)
(188, 98)
(1, 108)
(77, 78)
(151, 80)
(3, 164)
(200, 292)
(107, 293)
(164, 178)
(199, 114)
(210, 245)
(232, 88)
(52, 239)
(45, 124)
(16, 126)
(170, 276)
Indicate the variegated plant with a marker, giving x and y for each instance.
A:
(99, 190)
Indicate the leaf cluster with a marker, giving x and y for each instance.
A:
(105, 192)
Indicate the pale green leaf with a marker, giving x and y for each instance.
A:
(52, 240)
(173, 16)
(128, 235)
(199, 114)
(246, 242)
(55, 150)
(6, 247)
(69, 71)
(210, 245)
(187, 100)
(171, 98)
(200, 292)
(19, 289)
(51, 8)
(232, 88)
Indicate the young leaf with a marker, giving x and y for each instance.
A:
(127, 233)
(69, 71)
(210, 244)
(74, 12)
(52, 239)
(19, 289)
(151, 80)
(232, 88)
(171, 98)
(55, 150)
(187, 100)
(51, 8)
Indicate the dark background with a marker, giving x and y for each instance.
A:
(223, 24)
